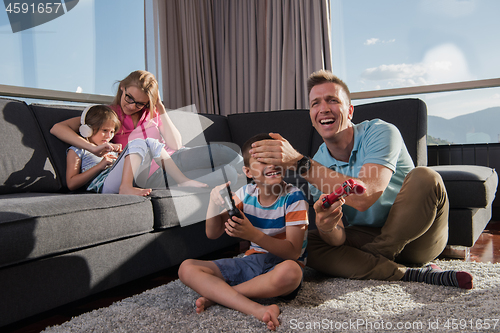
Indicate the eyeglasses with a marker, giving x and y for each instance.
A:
(130, 100)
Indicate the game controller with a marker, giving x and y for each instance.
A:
(229, 203)
(347, 188)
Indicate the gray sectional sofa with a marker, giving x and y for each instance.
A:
(57, 247)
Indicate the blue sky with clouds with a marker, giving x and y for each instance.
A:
(87, 49)
(394, 43)
(388, 44)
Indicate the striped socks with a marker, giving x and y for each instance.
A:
(432, 274)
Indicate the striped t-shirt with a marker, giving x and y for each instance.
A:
(289, 209)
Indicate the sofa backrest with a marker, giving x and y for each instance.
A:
(35, 160)
(198, 129)
(409, 115)
(294, 125)
(26, 164)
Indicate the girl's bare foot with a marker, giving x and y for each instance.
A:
(270, 317)
(202, 304)
(192, 183)
(134, 191)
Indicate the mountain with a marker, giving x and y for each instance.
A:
(477, 127)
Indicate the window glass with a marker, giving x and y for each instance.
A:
(458, 117)
(86, 50)
(391, 44)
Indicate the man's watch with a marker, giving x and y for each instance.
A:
(303, 165)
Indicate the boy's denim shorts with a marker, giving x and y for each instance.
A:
(239, 270)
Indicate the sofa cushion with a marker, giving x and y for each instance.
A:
(25, 163)
(34, 225)
(47, 116)
(469, 186)
(179, 206)
(183, 205)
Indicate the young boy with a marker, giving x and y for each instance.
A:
(275, 222)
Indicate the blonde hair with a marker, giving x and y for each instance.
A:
(144, 81)
(323, 76)
(97, 115)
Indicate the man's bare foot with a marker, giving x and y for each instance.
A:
(134, 191)
(270, 317)
(202, 304)
(192, 183)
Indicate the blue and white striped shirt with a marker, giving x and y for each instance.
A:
(289, 209)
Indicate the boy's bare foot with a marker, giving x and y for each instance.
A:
(270, 317)
(202, 304)
(192, 183)
(134, 191)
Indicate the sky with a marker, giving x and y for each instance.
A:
(400, 43)
(87, 49)
(376, 44)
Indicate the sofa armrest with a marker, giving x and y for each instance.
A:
(469, 186)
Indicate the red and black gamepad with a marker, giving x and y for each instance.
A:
(347, 188)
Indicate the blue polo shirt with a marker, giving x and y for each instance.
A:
(378, 142)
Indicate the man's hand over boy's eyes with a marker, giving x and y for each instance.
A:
(277, 152)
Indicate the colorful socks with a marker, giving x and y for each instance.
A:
(432, 274)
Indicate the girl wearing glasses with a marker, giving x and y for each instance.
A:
(132, 103)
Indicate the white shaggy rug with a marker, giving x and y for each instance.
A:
(323, 305)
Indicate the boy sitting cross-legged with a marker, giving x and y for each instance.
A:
(275, 222)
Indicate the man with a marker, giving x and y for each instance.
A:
(401, 218)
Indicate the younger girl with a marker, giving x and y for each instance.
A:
(112, 174)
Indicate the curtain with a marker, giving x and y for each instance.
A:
(229, 56)
(188, 71)
(298, 43)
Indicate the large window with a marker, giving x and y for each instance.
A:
(391, 44)
(86, 50)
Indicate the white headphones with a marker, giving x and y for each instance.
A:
(85, 130)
